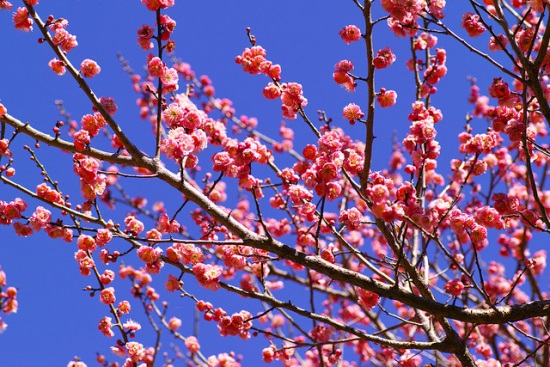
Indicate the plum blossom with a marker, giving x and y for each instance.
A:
(22, 20)
(89, 68)
(386, 98)
(350, 34)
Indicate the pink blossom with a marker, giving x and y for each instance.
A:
(174, 323)
(253, 60)
(178, 144)
(81, 140)
(149, 254)
(384, 58)
(124, 307)
(192, 119)
(133, 225)
(5, 5)
(498, 43)
(22, 230)
(84, 261)
(341, 75)
(409, 359)
(40, 218)
(64, 39)
(109, 105)
(238, 324)
(107, 277)
(192, 344)
(472, 24)
(350, 34)
(271, 91)
(2, 278)
(105, 326)
(293, 99)
(57, 66)
(454, 287)
(89, 123)
(107, 296)
(103, 237)
(208, 275)
(157, 4)
(169, 79)
(367, 299)
(386, 98)
(22, 20)
(352, 112)
(131, 325)
(86, 243)
(173, 114)
(3, 326)
(89, 68)
(136, 352)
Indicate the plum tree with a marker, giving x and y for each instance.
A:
(337, 263)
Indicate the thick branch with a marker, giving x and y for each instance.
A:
(56, 142)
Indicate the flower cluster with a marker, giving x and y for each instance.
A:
(21, 19)
(91, 124)
(238, 324)
(474, 229)
(293, 99)
(92, 183)
(40, 219)
(479, 143)
(145, 33)
(179, 145)
(151, 257)
(208, 275)
(108, 103)
(85, 262)
(168, 25)
(168, 76)
(12, 210)
(436, 68)
(189, 128)
(423, 133)
(472, 24)
(236, 159)
(320, 203)
(8, 299)
(342, 75)
(61, 38)
(322, 169)
(135, 350)
(499, 89)
(187, 253)
(272, 354)
(253, 61)
(45, 192)
(351, 218)
(404, 14)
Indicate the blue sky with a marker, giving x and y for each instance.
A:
(56, 319)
